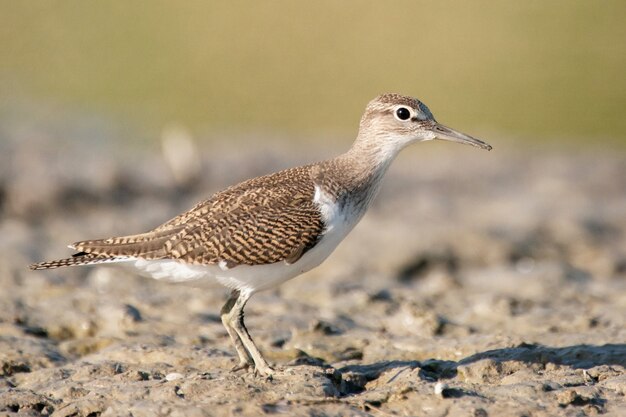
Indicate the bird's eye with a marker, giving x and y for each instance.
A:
(403, 113)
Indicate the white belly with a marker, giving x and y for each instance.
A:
(251, 278)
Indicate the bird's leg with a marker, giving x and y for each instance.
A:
(260, 364)
(226, 315)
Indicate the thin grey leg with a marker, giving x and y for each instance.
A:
(260, 364)
(245, 360)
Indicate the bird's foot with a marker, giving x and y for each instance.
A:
(242, 365)
(264, 371)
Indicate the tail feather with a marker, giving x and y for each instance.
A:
(151, 245)
(80, 258)
(146, 245)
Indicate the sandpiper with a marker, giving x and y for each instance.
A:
(264, 231)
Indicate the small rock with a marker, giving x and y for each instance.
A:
(325, 328)
(617, 383)
(484, 370)
(440, 387)
(571, 397)
(173, 376)
(480, 412)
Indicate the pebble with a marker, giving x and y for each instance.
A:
(440, 387)
(173, 376)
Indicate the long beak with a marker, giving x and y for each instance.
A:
(445, 133)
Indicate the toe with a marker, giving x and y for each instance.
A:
(241, 365)
(264, 371)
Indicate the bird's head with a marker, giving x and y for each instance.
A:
(393, 121)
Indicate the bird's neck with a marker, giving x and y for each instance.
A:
(370, 157)
(358, 173)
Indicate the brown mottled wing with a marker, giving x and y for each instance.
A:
(263, 220)
(260, 221)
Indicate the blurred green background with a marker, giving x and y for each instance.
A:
(550, 71)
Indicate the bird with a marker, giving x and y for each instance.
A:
(264, 231)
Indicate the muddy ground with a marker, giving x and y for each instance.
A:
(479, 284)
